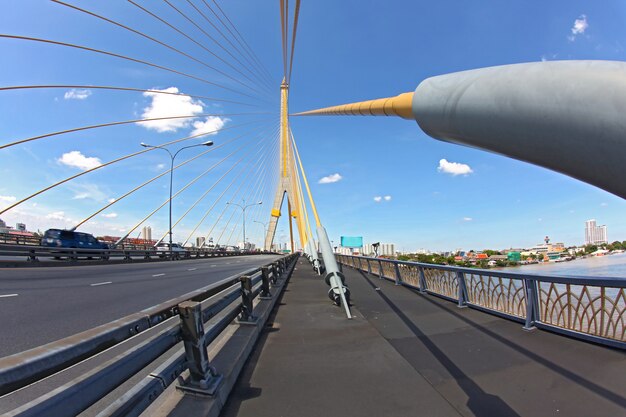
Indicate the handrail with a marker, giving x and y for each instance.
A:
(588, 308)
(19, 370)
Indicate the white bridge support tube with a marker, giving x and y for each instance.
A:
(568, 116)
(314, 258)
(338, 293)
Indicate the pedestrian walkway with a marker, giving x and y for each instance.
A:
(407, 354)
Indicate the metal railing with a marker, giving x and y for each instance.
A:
(32, 253)
(163, 327)
(589, 308)
(16, 239)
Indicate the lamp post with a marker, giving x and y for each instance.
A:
(264, 230)
(243, 208)
(173, 156)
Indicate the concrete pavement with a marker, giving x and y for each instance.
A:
(407, 354)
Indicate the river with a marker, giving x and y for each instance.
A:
(599, 266)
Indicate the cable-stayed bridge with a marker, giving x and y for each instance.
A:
(186, 129)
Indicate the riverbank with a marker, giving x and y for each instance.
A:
(601, 266)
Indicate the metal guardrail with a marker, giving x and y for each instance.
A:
(32, 253)
(16, 239)
(588, 308)
(166, 324)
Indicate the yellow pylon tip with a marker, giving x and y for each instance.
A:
(401, 106)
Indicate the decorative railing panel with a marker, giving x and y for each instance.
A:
(389, 270)
(495, 293)
(442, 282)
(591, 308)
(375, 265)
(410, 274)
(598, 311)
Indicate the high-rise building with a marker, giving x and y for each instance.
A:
(146, 233)
(200, 241)
(385, 249)
(595, 235)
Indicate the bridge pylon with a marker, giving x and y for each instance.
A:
(288, 183)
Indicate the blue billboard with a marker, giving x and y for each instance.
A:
(352, 241)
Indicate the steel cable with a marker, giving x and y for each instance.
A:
(17, 203)
(137, 32)
(116, 200)
(113, 54)
(124, 122)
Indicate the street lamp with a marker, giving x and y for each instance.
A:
(173, 156)
(243, 209)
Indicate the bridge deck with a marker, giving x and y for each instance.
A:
(406, 353)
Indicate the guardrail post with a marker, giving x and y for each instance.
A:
(398, 276)
(246, 316)
(532, 304)
(423, 286)
(202, 378)
(369, 267)
(265, 284)
(274, 272)
(31, 256)
(460, 279)
(380, 269)
(127, 256)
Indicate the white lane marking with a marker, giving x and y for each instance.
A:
(101, 283)
(213, 266)
(192, 269)
(8, 295)
(158, 275)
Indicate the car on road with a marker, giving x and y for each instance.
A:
(163, 250)
(58, 238)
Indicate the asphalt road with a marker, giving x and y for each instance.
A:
(42, 304)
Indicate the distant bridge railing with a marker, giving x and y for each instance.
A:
(33, 253)
(589, 308)
(164, 326)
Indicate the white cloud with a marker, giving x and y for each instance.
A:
(604, 204)
(378, 199)
(111, 200)
(467, 219)
(454, 168)
(211, 124)
(160, 166)
(57, 215)
(88, 191)
(330, 179)
(167, 105)
(75, 94)
(110, 215)
(7, 198)
(387, 198)
(78, 160)
(579, 27)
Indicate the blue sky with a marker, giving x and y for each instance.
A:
(345, 51)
